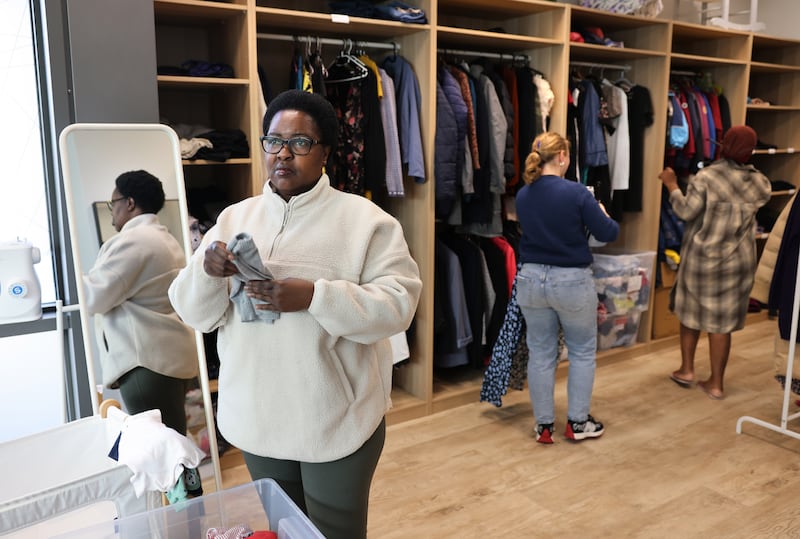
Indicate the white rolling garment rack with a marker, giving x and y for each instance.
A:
(787, 385)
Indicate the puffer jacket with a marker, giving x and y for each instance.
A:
(445, 155)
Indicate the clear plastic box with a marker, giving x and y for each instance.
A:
(260, 505)
(624, 283)
(619, 330)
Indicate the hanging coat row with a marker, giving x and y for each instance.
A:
(487, 116)
(378, 106)
(698, 116)
(474, 275)
(606, 125)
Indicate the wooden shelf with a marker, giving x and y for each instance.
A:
(704, 62)
(204, 162)
(775, 77)
(599, 53)
(200, 82)
(490, 41)
(771, 108)
(325, 24)
(189, 11)
(539, 28)
(763, 67)
(501, 8)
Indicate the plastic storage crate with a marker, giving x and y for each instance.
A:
(260, 505)
(619, 330)
(63, 479)
(623, 283)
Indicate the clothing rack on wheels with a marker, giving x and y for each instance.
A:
(787, 385)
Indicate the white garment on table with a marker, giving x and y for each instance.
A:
(155, 453)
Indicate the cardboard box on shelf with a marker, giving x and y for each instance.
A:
(665, 323)
(668, 275)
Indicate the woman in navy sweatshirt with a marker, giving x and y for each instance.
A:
(555, 285)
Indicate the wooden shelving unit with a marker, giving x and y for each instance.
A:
(742, 63)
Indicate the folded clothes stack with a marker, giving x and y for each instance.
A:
(392, 10)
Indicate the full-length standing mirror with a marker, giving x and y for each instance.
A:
(92, 156)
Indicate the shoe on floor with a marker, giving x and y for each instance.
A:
(681, 382)
(580, 430)
(544, 433)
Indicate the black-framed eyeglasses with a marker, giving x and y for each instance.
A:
(296, 145)
(110, 203)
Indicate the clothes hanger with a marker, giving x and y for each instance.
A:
(315, 55)
(309, 59)
(346, 67)
(623, 82)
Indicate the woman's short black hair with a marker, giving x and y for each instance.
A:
(316, 106)
(144, 188)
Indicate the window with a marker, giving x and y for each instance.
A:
(42, 387)
(23, 201)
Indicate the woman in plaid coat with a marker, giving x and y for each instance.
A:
(718, 253)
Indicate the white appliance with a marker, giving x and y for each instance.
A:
(20, 293)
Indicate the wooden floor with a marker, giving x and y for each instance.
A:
(669, 465)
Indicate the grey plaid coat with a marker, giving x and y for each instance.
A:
(718, 252)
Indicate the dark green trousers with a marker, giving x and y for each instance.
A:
(334, 495)
(143, 389)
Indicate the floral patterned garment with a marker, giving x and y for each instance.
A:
(347, 160)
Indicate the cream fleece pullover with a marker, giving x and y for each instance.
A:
(127, 291)
(315, 384)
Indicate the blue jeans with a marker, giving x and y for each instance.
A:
(549, 296)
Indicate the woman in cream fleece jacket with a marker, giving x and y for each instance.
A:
(304, 393)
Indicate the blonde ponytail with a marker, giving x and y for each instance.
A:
(544, 149)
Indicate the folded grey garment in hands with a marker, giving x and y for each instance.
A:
(250, 267)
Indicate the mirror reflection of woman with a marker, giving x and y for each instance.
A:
(145, 349)
(303, 394)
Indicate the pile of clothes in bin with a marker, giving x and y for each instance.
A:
(623, 288)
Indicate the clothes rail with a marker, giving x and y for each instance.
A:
(331, 41)
(787, 383)
(615, 67)
(492, 55)
(683, 73)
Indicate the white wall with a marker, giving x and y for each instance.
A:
(781, 17)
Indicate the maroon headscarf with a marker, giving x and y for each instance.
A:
(738, 143)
